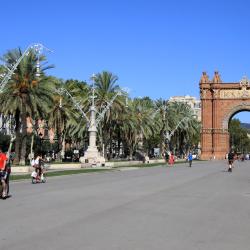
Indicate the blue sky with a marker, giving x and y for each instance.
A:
(156, 48)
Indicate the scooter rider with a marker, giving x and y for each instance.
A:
(3, 173)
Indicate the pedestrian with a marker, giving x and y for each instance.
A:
(36, 164)
(230, 160)
(171, 159)
(190, 159)
(3, 174)
(247, 156)
(8, 172)
(166, 156)
(226, 156)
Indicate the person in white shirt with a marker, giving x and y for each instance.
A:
(35, 163)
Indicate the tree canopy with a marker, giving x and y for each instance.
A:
(128, 126)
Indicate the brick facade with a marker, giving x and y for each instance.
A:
(219, 103)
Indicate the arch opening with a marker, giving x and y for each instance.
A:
(237, 110)
(239, 132)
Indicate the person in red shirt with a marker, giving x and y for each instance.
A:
(171, 159)
(3, 174)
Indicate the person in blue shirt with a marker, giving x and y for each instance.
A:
(190, 159)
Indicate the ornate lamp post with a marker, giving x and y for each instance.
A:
(38, 48)
(92, 155)
(169, 135)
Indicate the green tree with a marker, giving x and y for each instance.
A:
(64, 118)
(106, 88)
(239, 139)
(25, 95)
(184, 126)
(137, 124)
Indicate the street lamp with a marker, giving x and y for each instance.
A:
(7, 127)
(37, 48)
(183, 120)
(92, 154)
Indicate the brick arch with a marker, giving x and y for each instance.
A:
(239, 108)
(219, 102)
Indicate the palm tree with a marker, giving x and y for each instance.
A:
(77, 125)
(25, 95)
(137, 123)
(185, 127)
(167, 118)
(63, 117)
(161, 107)
(106, 87)
(2, 72)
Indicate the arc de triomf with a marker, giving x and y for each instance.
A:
(219, 103)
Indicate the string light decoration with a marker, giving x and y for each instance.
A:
(38, 48)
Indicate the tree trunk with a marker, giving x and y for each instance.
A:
(105, 142)
(12, 138)
(23, 151)
(119, 147)
(63, 146)
(131, 153)
(131, 149)
(18, 138)
(24, 138)
(58, 133)
(162, 142)
(101, 142)
(17, 148)
(31, 146)
(110, 144)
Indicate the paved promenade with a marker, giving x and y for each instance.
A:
(203, 207)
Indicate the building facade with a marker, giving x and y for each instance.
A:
(193, 102)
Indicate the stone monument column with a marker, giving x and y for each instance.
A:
(92, 155)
